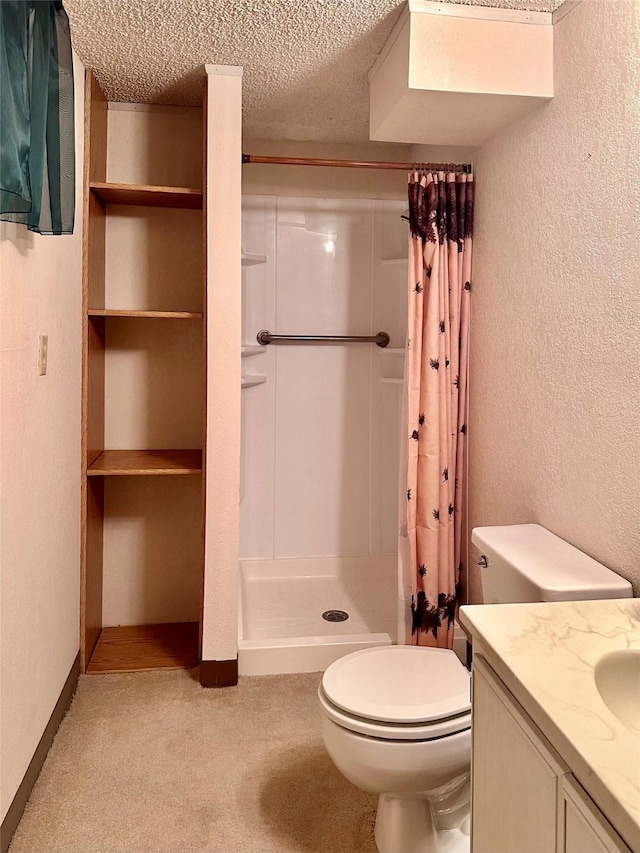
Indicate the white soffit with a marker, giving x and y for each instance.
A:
(305, 63)
(456, 75)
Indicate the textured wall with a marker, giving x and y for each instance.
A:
(555, 349)
(40, 482)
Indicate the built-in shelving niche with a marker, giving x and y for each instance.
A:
(111, 333)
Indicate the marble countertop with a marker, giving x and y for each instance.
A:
(545, 654)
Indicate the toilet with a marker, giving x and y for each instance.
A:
(396, 720)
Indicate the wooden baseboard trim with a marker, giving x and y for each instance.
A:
(219, 673)
(12, 818)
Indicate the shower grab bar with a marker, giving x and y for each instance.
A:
(265, 337)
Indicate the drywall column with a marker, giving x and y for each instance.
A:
(219, 667)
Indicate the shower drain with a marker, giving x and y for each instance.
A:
(335, 615)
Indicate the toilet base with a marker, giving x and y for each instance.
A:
(405, 825)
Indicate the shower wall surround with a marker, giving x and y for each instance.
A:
(320, 443)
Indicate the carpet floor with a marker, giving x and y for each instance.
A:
(152, 763)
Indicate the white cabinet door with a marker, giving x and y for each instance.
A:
(583, 827)
(515, 774)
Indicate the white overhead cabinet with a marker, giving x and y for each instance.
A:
(456, 75)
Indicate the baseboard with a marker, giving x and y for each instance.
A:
(12, 818)
(218, 673)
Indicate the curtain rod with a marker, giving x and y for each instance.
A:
(356, 164)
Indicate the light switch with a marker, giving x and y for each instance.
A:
(43, 346)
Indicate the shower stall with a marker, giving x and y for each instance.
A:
(320, 429)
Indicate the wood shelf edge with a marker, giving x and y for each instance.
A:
(134, 313)
(114, 463)
(147, 195)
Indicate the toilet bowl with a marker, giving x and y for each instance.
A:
(396, 721)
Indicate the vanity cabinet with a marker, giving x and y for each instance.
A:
(515, 774)
(524, 797)
(582, 827)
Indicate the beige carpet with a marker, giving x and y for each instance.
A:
(152, 763)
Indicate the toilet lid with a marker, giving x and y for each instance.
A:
(399, 684)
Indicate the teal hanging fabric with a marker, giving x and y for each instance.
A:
(37, 137)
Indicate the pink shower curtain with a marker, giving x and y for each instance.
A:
(441, 224)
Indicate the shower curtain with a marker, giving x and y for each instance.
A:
(440, 242)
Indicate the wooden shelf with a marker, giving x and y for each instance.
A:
(142, 647)
(147, 196)
(118, 463)
(152, 315)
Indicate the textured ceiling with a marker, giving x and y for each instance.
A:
(305, 61)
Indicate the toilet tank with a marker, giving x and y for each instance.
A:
(526, 562)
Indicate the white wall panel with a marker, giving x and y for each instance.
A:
(389, 313)
(322, 488)
(324, 259)
(387, 450)
(322, 482)
(258, 403)
(321, 436)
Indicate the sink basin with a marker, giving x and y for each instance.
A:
(617, 676)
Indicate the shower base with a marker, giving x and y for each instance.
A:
(282, 628)
(282, 603)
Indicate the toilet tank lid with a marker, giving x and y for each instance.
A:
(557, 568)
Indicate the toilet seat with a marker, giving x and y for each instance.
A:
(394, 731)
(398, 693)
